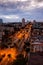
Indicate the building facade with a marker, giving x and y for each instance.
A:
(37, 37)
(4, 27)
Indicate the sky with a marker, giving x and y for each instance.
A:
(15, 10)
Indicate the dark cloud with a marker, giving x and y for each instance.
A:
(39, 0)
(14, 7)
(28, 9)
(14, 4)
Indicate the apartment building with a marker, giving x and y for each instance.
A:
(37, 37)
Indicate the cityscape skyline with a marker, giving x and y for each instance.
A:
(15, 10)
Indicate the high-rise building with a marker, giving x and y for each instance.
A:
(23, 22)
(1, 21)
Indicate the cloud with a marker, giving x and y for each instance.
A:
(39, 0)
(23, 5)
(12, 0)
(16, 9)
(18, 4)
(9, 16)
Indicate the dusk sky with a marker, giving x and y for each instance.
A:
(15, 10)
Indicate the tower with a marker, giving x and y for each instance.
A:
(23, 22)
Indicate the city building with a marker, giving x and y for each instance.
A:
(23, 22)
(5, 27)
(37, 37)
(9, 29)
(1, 21)
(16, 24)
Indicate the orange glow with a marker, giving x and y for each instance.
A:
(13, 53)
(19, 36)
(26, 36)
(22, 34)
